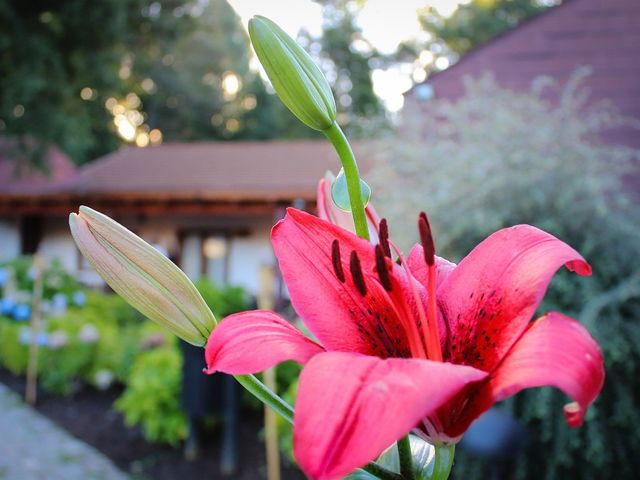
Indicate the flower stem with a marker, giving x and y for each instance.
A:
(266, 396)
(339, 141)
(406, 458)
(443, 462)
(381, 472)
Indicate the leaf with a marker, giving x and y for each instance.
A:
(423, 455)
(340, 192)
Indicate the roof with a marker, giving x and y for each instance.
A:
(19, 176)
(212, 170)
(187, 177)
(602, 35)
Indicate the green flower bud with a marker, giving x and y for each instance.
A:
(295, 78)
(141, 275)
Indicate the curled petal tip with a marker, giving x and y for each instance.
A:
(573, 414)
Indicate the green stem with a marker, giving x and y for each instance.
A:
(443, 462)
(265, 395)
(381, 472)
(341, 144)
(406, 458)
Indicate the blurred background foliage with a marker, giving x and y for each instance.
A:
(89, 77)
(477, 165)
(96, 339)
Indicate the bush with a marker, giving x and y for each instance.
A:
(495, 158)
(151, 398)
(103, 342)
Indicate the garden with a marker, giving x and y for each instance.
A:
(99, 358)
(459, 302)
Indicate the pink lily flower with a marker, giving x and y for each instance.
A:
(419, 345)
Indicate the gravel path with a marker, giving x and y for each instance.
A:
(33, 448)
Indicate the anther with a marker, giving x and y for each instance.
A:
(426, 239)
(356, 273)
(381, 268)
(383, 235)
(335, 258)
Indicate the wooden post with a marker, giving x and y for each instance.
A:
(266, 302)
(31, 390)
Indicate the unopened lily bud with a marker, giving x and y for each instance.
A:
(295, 78)
(141, 275)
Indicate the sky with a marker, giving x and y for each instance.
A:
(384, 24)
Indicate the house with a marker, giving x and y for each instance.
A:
(208, 206)
(603, 35)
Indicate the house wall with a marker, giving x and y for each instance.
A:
(244, 254)
(248, 254)
(9, 239)
(57, 244)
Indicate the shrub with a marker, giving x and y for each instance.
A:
(151, 398)
(496, 158)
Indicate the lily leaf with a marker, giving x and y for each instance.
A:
(340, 192)
(423, 454)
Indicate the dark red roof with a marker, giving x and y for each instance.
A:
(196, 178)
(604, 35)
(19, 176)
(213, 170)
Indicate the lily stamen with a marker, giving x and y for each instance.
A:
(432, 336)
(381, 268)
(335, 259)
(383, 236)
(356, 274)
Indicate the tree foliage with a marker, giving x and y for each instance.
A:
(49, 53)
(496, 158)
(345, 57)
(478, 21)
(179, 66)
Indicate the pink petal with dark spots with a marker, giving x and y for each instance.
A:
(491, 296)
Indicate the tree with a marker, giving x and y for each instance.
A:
(177, 68)
(345, 57)
(478, 21)
(199, 85)
(48, 56)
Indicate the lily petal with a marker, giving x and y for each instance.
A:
(555, 350)
(351, 407)
(491, 296)
(419, 269)
(251, 342)
(335, 311)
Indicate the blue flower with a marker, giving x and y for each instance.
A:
(79, 298)
(22, 312)
(6, 306)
